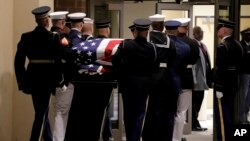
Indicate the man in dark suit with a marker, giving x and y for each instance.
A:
(162, 100)
(228, 58)
(202, 78)
(41, 76)
(244, 88)
(135, 63)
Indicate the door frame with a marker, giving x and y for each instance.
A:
(173, 6)
(183, 7)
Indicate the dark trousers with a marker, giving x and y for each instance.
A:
(197, 98)
(227, 105)
(159, 121)
(134, 96)
(107, 125)
(41, 103)
(87, 110)
(47, 134)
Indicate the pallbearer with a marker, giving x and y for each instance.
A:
(136, 62)
(41, 77)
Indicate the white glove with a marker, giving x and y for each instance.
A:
(219, 94)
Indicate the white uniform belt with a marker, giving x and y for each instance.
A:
(41, 61)
(189, 66)
(163, 65)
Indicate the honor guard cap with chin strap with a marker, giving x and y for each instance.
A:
(132, 28)
(142, 24)
(245, 31)
(41, 12)
(104, 23)
(225, 23)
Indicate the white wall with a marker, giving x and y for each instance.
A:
(23, 112)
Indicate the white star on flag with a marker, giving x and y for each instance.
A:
(93, 44)
(92, 54)
(85, 48)
(82, 44)
(89, 53)
(78, 52)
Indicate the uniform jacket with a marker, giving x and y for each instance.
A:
(75, 36)
(134, 57)
(67, 64)
(39, 44)
(245, 65)
(165, 57)
(181, 61)
(87, 37)
(187, 76)
(228, 58)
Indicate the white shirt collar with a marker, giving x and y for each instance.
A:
(223, 39)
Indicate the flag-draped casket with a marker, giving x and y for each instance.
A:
(95, 56)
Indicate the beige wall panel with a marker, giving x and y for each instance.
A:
(6, 69)
(23, 112)
(133, 11)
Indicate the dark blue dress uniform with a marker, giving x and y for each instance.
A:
(175, 70)
(228, 58)
(107, 124)
(41, 47)
(162, 101)
(187, 76)
(135, 63)
(244, 89)
(75, 36)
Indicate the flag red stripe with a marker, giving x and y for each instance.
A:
(109, 48)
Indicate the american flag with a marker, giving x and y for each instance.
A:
(95, 56)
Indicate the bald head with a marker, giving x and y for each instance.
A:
(198, 33)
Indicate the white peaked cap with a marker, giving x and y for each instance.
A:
(157, 18)
(183, 21)
(58, 15)
(77, 15)
(88, 20)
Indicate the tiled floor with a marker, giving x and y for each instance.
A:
(206, 135)
(194, 136)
